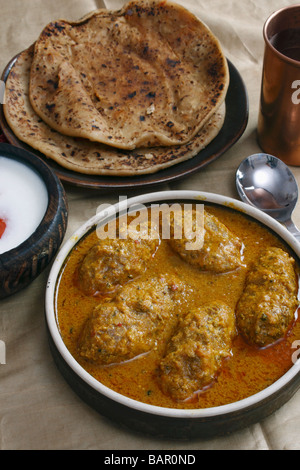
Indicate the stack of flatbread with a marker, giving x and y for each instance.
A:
(124, 92)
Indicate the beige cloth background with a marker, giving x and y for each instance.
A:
(38, 410)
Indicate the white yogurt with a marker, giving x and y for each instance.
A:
(23, 202)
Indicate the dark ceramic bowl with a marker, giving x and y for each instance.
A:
(21, 265)
(155, 420)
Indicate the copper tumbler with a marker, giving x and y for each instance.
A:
(278, 127)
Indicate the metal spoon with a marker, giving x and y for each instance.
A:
(265, 182)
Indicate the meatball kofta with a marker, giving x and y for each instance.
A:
(221, 251)
(133, 322)
(111, 263)
(194, 354)
(269, 301)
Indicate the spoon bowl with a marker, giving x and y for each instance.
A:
(265, 182)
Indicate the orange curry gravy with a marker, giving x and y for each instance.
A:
(245, 373)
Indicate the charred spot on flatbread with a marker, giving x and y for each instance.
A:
(151, 74)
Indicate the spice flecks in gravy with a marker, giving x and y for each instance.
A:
(247, 371)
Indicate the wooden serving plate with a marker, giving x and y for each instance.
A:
(236, 120)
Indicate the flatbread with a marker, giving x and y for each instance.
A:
(147, 75)
(84, 156)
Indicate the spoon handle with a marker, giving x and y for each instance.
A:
(292, 229)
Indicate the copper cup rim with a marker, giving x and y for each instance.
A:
(267, 39)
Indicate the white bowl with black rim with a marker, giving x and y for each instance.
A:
(156, 420)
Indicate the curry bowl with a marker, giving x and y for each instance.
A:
(163, 420)
(33, 218)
